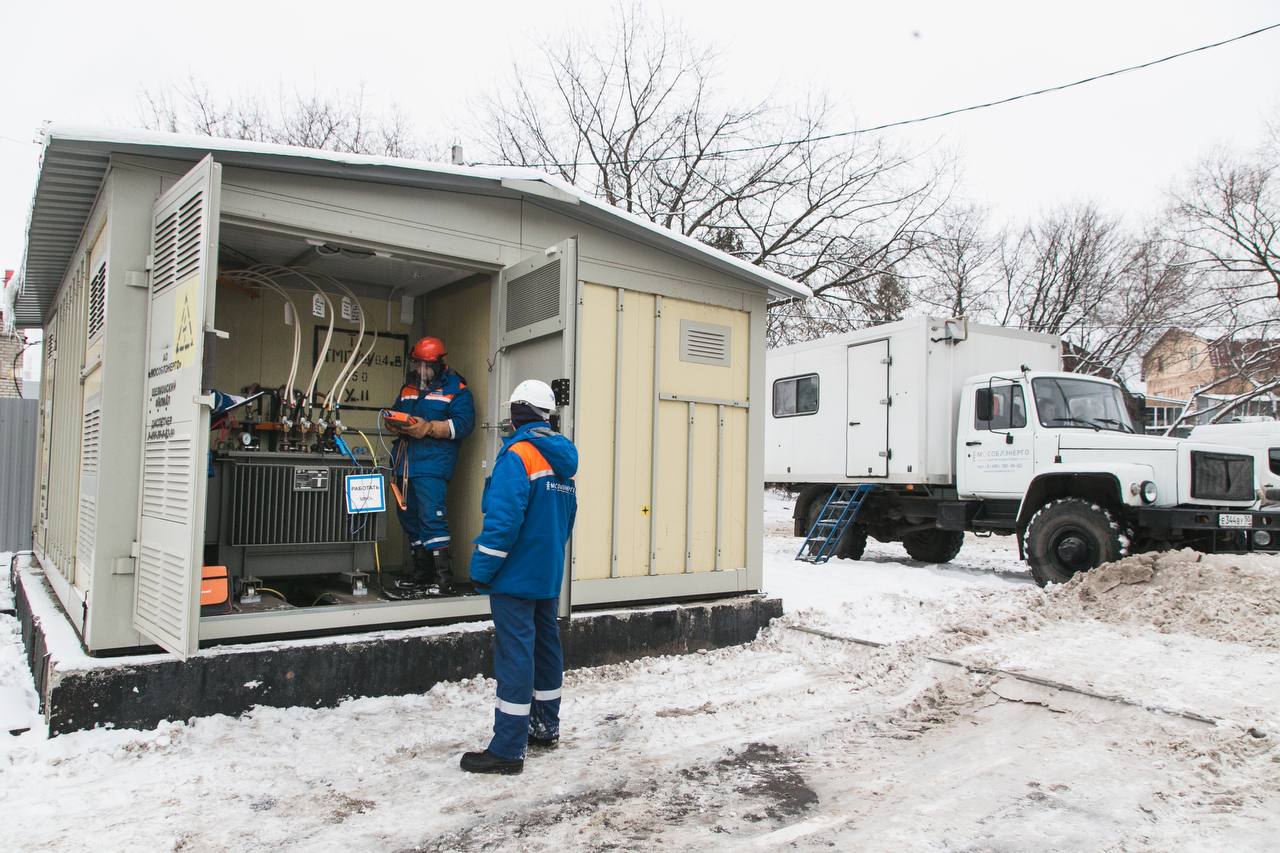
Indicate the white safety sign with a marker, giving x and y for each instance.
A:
(365, 493)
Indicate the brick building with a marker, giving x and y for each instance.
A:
(1181, 362)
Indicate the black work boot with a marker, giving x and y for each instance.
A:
(420, 576)
(487, 762)
(443, 579)
(543, 744)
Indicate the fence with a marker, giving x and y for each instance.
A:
(19, 422)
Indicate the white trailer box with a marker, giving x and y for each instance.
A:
(892, 391)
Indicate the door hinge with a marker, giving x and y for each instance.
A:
(886, 454)
(887, 401)
(148, 263)
(887, 360)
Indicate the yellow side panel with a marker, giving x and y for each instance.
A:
(600, 385)
(597, 331)
(636, 445)
(706, 380)
(670, 503)
(734, 539)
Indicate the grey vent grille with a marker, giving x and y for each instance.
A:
(190, 232)
(166, 477)
(98, 301)
(533, 297)
(266, 510)
(163, 274)
(704, 343)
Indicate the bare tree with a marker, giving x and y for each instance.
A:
(1227, 215)
(332, 122)
(638, 120)
(1078, 274)
(958, 267)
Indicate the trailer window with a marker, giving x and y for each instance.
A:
(795, 395)
(1008, 408)
(1273, 460)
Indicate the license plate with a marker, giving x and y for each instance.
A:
(1233, 520)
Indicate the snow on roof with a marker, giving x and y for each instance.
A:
(75, 158)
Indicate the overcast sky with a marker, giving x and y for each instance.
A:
(1120, 141)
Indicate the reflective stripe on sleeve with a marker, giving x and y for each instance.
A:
(546, 695)
(453, 433)
(513, 709)
(492, 552)
(537, 475)
(437, 540)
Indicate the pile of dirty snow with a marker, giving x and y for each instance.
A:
(1231, 598)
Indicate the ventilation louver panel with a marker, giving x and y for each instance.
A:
(162, 584)
(704, 343)
(190, 232)
(98, 301)
(163, 273)
(166, 478)
(533, 297)
(90, 458)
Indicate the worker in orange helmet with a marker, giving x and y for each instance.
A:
(422, 461)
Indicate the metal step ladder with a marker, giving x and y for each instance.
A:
(840, 510)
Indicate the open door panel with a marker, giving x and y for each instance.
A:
(184, 242)
(538, 299)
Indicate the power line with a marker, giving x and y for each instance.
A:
(902, 123)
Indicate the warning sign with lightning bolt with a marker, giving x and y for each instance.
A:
(184, 329)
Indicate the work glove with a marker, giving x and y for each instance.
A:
(428, 429)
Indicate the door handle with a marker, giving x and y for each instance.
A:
(855, 423)
(972, 443)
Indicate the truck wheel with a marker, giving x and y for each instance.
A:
(1068, 536)
(934, 546)
(853, 543)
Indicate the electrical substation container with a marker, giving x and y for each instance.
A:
(224, 320)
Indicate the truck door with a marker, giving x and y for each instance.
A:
(867, 436)
(538, 300)
(184, 258)
(997, 456)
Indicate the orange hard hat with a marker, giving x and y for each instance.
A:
(428, 349)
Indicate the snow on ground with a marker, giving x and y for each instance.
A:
(795, 741)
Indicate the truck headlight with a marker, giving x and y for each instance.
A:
(1149, 492)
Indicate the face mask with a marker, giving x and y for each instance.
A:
(422, 373)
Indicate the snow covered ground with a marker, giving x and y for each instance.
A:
(797, 740)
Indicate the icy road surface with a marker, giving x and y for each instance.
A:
(794, 742)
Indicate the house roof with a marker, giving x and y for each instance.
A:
(75, 161)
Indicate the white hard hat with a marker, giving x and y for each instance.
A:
(535, 393)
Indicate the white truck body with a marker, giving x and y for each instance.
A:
(962, 427)
(887, 398)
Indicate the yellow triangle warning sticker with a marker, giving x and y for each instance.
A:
(184, 328)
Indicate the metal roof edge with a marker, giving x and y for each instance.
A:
(494, 179)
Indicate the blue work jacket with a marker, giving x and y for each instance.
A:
(446, 399)
(529, 505)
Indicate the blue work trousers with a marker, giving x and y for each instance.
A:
(424, 519)
(529, 665)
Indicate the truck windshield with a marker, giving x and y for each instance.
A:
(1081, 404)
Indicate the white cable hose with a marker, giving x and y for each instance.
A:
(262, 281)
(315, 372)
(339, 381)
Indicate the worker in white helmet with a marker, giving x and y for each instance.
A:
(529, 506)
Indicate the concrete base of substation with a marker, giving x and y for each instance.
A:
(78, 692)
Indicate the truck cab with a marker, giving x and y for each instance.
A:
(1089, 487)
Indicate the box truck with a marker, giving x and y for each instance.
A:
(951, 426)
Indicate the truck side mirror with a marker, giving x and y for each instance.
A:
(982, 405)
